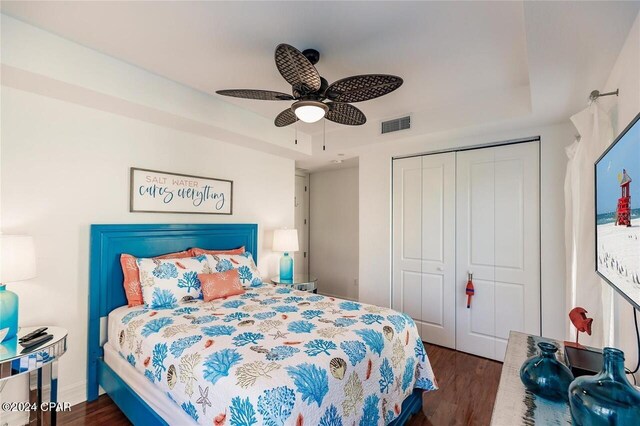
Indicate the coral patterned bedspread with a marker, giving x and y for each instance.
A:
(276, 356)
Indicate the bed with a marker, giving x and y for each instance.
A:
(272, 355)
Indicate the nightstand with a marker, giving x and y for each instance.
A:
(41, 363)
(303, 282)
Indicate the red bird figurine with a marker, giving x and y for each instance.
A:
(579, 319)
(469, 290)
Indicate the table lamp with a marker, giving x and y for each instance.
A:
(285, 240)
(17, 263)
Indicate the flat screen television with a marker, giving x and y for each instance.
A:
(618, 213)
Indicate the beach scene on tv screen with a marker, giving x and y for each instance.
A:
(618, 214)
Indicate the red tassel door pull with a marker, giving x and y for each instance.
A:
(470, 290)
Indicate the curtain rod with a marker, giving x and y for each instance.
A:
(596, 94)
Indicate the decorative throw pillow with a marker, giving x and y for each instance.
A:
(132, 275)
(165, 282)
(247, 270)
(222, 284)
(198, 251)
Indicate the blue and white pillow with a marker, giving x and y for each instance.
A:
(247, 270)
(165, 282)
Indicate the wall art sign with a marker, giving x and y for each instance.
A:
(154, 191)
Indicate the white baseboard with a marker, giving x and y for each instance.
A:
(73, 394)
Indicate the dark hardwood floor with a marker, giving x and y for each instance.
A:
(100, 412)
(468, 387)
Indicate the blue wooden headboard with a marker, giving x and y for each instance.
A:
(105, 282)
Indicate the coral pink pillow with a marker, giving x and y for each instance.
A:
(198, 251)
(222, 284)
(131, 274)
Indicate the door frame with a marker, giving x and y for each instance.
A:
(307, 198)
(469, 148)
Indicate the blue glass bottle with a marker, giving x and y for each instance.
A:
(545, 376)
(8, 312)
(286, 267)
(606, 398)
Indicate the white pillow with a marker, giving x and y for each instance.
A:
(247, 270)
(165, 282)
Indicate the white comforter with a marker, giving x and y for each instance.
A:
(277, 356)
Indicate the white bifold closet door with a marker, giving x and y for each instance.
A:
(424, 244)
(498, 240)
(470, 211)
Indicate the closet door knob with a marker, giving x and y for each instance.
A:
(440, 268)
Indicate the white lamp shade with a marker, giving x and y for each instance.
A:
(17, 258)
(285, 240)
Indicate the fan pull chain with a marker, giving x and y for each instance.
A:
(324, 134)
(295, 124)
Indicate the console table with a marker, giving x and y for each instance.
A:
(514, 404)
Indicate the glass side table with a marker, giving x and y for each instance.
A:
(41, 363)
(303, 282)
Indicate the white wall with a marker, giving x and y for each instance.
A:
(44, 63)
(334, 231)
(375, 202)
(625, 76)
(375, 213)
(65, 166)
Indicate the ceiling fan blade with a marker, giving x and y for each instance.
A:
(297, 69)
(261, 95)
(345, 114)
(285, 118)
(362, 87)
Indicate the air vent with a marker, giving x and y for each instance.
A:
(396, 125)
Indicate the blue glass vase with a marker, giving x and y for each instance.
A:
(545, 376)
(286, 267)
(8, 312)
(606, 398)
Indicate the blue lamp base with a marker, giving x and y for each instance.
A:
(8, 312)
(286, 267)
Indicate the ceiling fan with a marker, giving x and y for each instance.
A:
(310, 90)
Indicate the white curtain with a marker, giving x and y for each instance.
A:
(584, 286)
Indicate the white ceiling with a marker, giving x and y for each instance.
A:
(464, 63)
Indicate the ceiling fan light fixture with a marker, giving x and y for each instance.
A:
(310, 111)
(311, 91)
